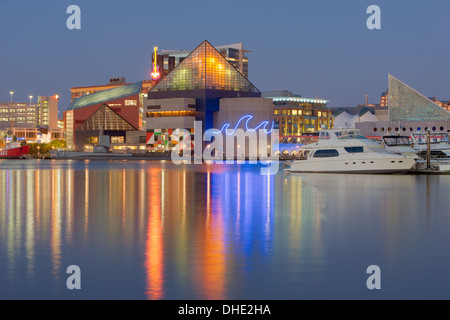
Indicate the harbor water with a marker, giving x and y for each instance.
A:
(156, 230)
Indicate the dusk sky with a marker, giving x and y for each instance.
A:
(313, 48)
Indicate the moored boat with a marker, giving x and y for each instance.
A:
(417, 145)
(14, 151)
(347, 151)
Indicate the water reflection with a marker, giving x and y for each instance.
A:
(155, 230)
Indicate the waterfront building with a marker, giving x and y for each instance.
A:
(296, 116)
(384, 99)
(348, 117)
(205, 87)
(114, 112)
(408, 111)
(44, 113)
(31, 122)
(78, 92)
(35, 135)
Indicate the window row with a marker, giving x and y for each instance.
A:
(180, 113)
(396, 129)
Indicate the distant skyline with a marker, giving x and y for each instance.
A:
(314, 48)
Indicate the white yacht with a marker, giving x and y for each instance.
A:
(347, 151)
(399, 144)
(416, 145)
(439, 144)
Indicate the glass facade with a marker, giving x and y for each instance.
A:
(70, 143)
(296, 116)
(205, 68)
(105, 119)
(406, 104)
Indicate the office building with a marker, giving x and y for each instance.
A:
(43, 114)
(296, 116)
(31, 122)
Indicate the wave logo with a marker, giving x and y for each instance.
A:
(253, 145)
(226, 126)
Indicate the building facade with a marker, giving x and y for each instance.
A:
(207, 88)
(408, 111)
(114, 112)
(384, 99)
(296, 116)
(78, 92)
(31, 122)
(43, 114)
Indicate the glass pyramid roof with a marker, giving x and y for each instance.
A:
(205, 68)
(406, 104)
(105, 119)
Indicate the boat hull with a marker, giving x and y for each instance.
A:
(380, 165)
(87, 155)
(15, 153)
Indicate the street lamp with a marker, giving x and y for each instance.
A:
(31, 97)
(11, 93)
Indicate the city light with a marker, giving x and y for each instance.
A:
(31, 97)
(155, 74)
(11, 93)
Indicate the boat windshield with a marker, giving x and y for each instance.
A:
(354, 149)
(421, 138)
(326, 153)
(353, 136)
(397, 141)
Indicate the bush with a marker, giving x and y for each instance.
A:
(44, 148)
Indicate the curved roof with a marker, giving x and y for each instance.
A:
(106, 95)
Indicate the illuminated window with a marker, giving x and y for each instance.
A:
(131, 102)
(319, 114)
(117, 139)
(93, 140)
(175, 113)
(294, 112)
